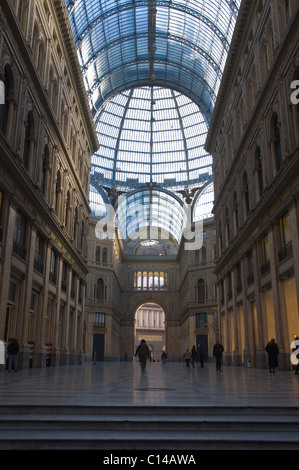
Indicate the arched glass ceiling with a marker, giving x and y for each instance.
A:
(180, 44)
(173, 49)
(150, 215)
(150, 248)
(151, 134)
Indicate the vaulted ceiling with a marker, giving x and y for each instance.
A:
(152, 70)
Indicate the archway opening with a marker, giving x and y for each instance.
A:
(150, 325)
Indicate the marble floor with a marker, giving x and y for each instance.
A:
(122, 383)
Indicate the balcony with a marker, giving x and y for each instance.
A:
(39, 265)
(19, 249)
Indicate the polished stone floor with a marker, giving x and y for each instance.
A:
(118, 383)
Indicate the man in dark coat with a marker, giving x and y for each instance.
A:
(272, 351)
(12, 349)
(143, 354)
(217, 352)
(200, 354)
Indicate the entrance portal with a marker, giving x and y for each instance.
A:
(150, 325)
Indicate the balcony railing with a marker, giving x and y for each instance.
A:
(19, 249)
(39, 265)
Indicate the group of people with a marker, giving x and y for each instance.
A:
(189, 356)
(271, 349)
(198, 354)
(194, 355)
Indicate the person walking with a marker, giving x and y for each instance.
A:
(273, 352)
(143, 353)
(217, 352)
(94, 358)
(164, 357)
(13, 349)
(200, 354)
(193, 356)
(187, 357)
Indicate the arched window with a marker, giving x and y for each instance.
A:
(82, 235)
(40, 59)
(220, 237)
(44, 170)
(98, 254)
(104, 256)
(28, 140)
(227, 227)
(58, 194)
(246, 193)
(201, 290)
(259, 169)
(100, 289)
(68, 210)
(277, 141)
(236, 211)
(76, 222)
(8, 83)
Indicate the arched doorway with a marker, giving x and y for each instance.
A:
(150, 325)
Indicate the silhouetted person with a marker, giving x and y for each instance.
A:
(272, 351)
(187, 357)
(164, 357)
(200, 354)
(143, 354)
(217, 352)
(13, 349)
(193, 356)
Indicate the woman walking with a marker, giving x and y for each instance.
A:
(272, 351)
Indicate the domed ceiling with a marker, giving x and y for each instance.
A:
(152, 70)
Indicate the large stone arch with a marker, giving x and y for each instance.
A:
(150, 324)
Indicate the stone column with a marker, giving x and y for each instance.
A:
(294, 222)
(40, 350)
(127, 344)
(260, 347)
(279, 322)
(64, 352)
(55, 336)
(248, 356)
(172, 341)
(24, 347)
(74, 350)
(6, 266)
(237, 354)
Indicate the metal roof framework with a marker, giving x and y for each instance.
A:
(152, 71)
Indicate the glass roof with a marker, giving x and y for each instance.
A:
(180, 44)
(151, 134)
(150, 215)
(152, 70)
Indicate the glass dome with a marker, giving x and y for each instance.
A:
(180, 44)
(151, 134)
(152, 71)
